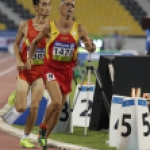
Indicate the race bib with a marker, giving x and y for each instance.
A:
(50, 76)
(38, 56)
(63, 51)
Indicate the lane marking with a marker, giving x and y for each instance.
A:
(7, 70)
(2, 85)
(5, 59)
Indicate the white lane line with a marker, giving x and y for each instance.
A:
(5, 59)
(2, 85)
(5, 86)
(7, 71)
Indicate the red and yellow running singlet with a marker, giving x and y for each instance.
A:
(61, 49)
(40, 51)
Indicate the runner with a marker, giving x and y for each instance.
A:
(30, 79)
(61, 56)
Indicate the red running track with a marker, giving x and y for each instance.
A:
(8, 74)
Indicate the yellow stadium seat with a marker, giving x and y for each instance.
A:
(96, 15)
(2, 26)
(27, 4)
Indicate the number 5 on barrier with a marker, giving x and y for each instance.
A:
(134, 125)
(143, 124)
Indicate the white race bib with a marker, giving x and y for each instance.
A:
(39, 54)
(50, 76)
(63, 51)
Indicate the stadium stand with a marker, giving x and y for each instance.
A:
(22, 12)
(101, 17)
(6, 23)
(135, 9)
(27, 4)
(104, 16)
(2, 26)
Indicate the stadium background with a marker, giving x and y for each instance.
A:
(102, 18)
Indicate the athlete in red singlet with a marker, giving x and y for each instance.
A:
(30, 79)
(61, 56)
(31, 75)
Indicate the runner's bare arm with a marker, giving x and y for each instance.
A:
(44, 33)
(83, 35)
(18, 39)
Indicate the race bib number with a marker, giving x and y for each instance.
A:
(50, 76)
(39, 54)
(63, 51)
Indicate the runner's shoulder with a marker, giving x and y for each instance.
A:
(46, 29)
(23, 25)
(81, 26)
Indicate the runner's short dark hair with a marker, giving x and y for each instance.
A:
(36, 2)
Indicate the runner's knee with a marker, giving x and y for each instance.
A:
(34, 106)
(20, 109)
(57, 105)
(33, 110)
(39, 92)
(20, 103)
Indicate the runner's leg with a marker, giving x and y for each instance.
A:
(37, 89)
(53, 108)
(54, 119)
(21, 95)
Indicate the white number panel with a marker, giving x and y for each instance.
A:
(79, 111)
(114, 119)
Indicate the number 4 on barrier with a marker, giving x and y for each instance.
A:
(116, 125)
(114, 119)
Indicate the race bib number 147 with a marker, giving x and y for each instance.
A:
(63, 51)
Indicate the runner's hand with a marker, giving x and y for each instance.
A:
(29, 64)
(21, 65)
(90, 46)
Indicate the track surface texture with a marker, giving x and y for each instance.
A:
(8, 74)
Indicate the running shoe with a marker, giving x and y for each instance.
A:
(26, 143)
